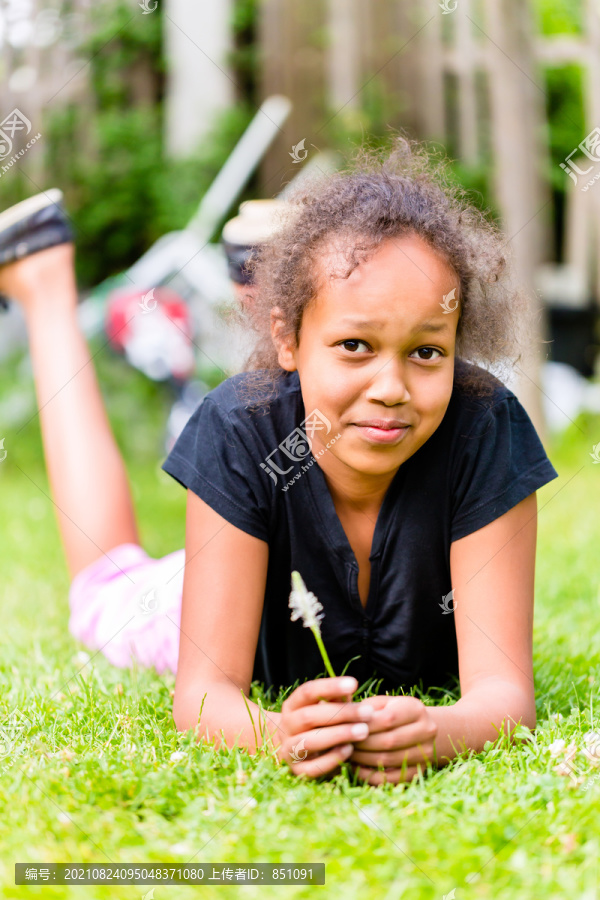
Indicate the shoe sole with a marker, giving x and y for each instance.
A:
(26, 208)
(20, 212)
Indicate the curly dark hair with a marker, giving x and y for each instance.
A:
(383, 194)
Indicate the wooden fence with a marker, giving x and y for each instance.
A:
(469, 75)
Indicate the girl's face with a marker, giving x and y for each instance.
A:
(377, 346)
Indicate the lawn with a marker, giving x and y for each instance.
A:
(92, 778)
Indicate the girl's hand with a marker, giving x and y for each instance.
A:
(317, 736)
(401, 729)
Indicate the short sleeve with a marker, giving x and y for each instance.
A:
(500, 462)
(215, 461)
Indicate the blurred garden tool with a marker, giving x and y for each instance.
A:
(174, 250)
(184, 260)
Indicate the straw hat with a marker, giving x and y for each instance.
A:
(255, 222)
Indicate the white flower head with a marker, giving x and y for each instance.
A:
(590, 738)
(304, 604)
(556, 748)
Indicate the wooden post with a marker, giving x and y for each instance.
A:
(198, 39)
(467, 119)
(430, 116)
(592, 107)
(293, 39)
(592, 68)
(517, 109)
(344, 70)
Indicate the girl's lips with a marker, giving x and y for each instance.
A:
(382, 435)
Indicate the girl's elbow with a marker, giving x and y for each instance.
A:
(182, 721)
(522, 701)
(185, 713)
(526, 717)
(529, 714)
(180, 724)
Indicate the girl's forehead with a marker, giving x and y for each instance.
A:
(394, 267)
(359, 256)
(395, 289)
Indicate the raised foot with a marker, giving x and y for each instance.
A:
(40, 274)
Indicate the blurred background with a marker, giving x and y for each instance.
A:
(157, 119)
(149, 116)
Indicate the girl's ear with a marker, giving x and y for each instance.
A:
(285, 350)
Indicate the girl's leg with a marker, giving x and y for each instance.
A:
(87, 476)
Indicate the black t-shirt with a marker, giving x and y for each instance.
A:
(483, 459)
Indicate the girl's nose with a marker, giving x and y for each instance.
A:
(388, 383)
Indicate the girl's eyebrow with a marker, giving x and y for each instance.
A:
(375, 323)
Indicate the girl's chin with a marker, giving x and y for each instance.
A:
(368, 467)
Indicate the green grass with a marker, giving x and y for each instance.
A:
(91, 778)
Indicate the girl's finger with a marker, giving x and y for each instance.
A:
(320, 715)
(320, 689)
(379, 701)
(398, 711)
(402, 738)
(322, 765)
(317, 740)
(393, 757)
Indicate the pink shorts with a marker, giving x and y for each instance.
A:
(128, 605)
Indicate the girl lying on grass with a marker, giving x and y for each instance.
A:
(364, 446)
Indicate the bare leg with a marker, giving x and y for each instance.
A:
(88, 480)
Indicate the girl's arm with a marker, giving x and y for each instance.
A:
(223, 595)
(493, 573)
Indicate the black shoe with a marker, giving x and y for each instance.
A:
(30, 226)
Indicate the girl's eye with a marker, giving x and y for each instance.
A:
(355, 341)
(428, 350)
(352, 341)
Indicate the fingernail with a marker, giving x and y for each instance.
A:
(347, 748)
(360, 730)
(365, 710)
(348, 684)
